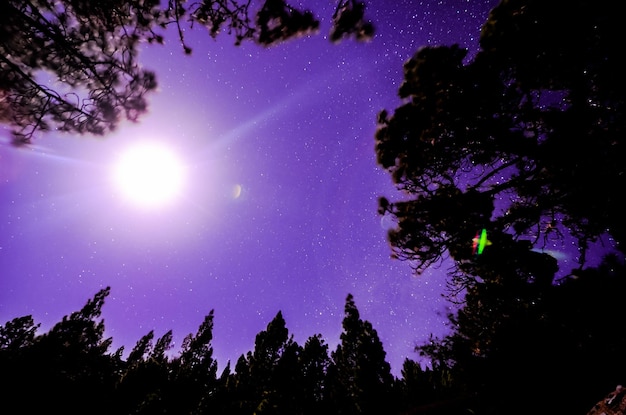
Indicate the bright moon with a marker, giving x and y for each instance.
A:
(149, 175)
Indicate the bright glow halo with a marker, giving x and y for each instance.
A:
(149, 175)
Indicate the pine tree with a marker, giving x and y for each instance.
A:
(253, 385)
(68, 367)
(195, 370)
(360, 379)
(91, 48)
(314, 363)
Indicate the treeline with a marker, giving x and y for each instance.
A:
(70, 370)
(511, 352)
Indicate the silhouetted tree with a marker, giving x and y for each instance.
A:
(314, 363)
(85, 46)
(17, 334)
(240, 388)
(557, 347)
(194, 371)
(278, 21)
(152, 382)
(68, 368)
(526, 139)
(588, 352)
(279, 376)
(269, 347)
(255, 382)
(158, 374)
(146, 385)
(359, 377)
(422, 387)
(135, 383)
(71, 65)
(348, 19)
(72, 370)
(219, 399)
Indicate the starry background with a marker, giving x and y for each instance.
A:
(292, 127)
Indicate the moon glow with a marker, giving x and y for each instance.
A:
(149, 175)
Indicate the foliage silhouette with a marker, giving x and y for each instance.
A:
(71, 368)
(348, 19)
(548, 78)
(526, 139)
(67, 368)
(360, 380)
(523, 335)
(72, 66)
(557, 347)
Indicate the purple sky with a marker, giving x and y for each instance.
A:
(292, 127)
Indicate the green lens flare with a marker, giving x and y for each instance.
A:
(482, 242)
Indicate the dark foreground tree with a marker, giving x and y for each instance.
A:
(525, 141)
(258, 383)
(71, 65)
(279, 376)
(359, 377)
(68, 368)
(557, 347)
(194, 374)
(151, 379)
(153, 383)
(71, 370)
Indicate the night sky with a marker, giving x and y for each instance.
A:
(276, 209)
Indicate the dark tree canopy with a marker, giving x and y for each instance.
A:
(557, 346)
(90, 48)
(526, 140)
(67, 367)
(361, 380)
(71, 65)
(349, 19)
(566, 341)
